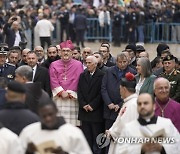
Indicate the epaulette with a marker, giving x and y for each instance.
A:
(176, 72)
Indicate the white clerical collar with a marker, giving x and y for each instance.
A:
(130, 97)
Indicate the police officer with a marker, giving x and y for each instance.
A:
(173, 75)
(117, 27)
(6, 70)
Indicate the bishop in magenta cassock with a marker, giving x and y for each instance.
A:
(165, 106)
(64, 78)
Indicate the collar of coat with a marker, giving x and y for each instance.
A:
(143, 122)
(15, 105)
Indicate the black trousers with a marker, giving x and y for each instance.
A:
(45, 40)
(64, 28)
(80, 37)
(91, 130)
(72, 33)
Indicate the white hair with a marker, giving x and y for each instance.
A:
(93, 59)
(161, 79)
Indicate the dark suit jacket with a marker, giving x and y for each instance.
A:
(42, 76)
(110, 90)
(89, 92)
(80, 22)
(10, 35)
(34, 96)
(147, 86)
(2, 97)
(9, 72)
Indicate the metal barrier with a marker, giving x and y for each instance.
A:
(166, 32)
(95, 32)
(154, 32)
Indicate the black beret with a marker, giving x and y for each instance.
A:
(161, 47)
(131, 46)
(168, 58)
(16, 87)
(140, 48)
(128, 81)
(3, 50)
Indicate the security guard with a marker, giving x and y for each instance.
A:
(173, 75)
(6, 70)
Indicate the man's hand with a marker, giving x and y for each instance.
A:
(90, 108)
(151, 147)
(107, 132)
(111, 106)
(86, 108)
(31, 148)
(116, 108)
(64, 94)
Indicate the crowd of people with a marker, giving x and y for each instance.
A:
(71, 99)
(43, 99)
(72, 19)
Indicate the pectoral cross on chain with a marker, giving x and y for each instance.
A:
(65, 78)
(162, 113)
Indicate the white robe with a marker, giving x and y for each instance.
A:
(9, 142)
(133, 129)
(68, 137)
(127, 113)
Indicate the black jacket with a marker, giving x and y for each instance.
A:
(110, 90)
(48, 62)
(34, 95)
(42, 76)
(15, 117)
(11, 35)
(7, 71)
(89, 92)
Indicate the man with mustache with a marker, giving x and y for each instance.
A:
(52, 53)
(64, 78)
(172, 75)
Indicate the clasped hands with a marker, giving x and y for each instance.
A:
(64, 95)
(88, 108)
(113, 107)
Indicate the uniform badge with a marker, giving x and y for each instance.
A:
(10, 76)
(173, 82)
(2, 49)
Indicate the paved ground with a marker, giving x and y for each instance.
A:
(150, 48)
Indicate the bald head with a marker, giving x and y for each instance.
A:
(144, 54)
(38, 48)
(86, 52)
(161, 80)
(39, 52)
(162, 89)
